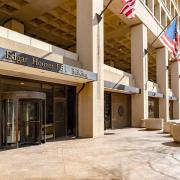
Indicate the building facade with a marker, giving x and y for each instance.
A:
(63, 73)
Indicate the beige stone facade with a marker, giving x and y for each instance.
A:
(61, 43)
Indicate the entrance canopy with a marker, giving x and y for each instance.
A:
(18, 64)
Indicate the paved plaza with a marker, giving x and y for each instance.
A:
(132, 154)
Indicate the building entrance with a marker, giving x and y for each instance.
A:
(59, 117)
(22, 118)
(117, 110)
(153, 107)
(33, 111)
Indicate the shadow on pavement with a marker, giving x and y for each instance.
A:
(162, 133)
(167, 136)
(13, 147)
(144, 129)
(106, 133)
(66, 138)
(171, 144)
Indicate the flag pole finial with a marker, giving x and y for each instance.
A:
(99, 16)
(146, 51)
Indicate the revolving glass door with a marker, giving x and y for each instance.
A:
(22, 118)
(8, 122)
(30, 116)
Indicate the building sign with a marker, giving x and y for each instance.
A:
(40, 63)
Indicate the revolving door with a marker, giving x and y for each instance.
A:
(22, 118)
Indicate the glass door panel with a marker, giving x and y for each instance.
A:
(59, 118)
(107, 111)
(30, 121)
(10, 125)
(7, 122)
(153, 107)
(171, 110)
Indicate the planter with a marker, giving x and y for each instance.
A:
(167, 127)
(171, 128)
(154, 123)
(176, 132)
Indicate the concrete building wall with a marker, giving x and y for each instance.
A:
(16, 41)
(121, 110)
(139, 69)
(175, 85)
(153, 87)
(163, 82)
(117, 76)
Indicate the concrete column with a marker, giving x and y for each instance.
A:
(169, 5)
(139, 69)
(162, 80)
(150, 4)
(15, 25)
(90, 48)
(164, 20)
(175, 85)
(158, 12)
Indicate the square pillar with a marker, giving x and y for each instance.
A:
(150, 4)
(175, 85)
(163, 81)
(157, 12)
(139, 70)
(90, 49)
(164, 20)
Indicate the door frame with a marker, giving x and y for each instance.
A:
(63, 100)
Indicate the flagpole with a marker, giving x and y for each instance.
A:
(146, 50)
(99, 16)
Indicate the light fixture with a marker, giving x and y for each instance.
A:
(21, 83)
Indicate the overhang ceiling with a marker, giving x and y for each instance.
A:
(118, 45)
(54, 21)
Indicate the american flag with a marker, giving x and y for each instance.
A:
(128, 8)
(170, 39)
(125, 1)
